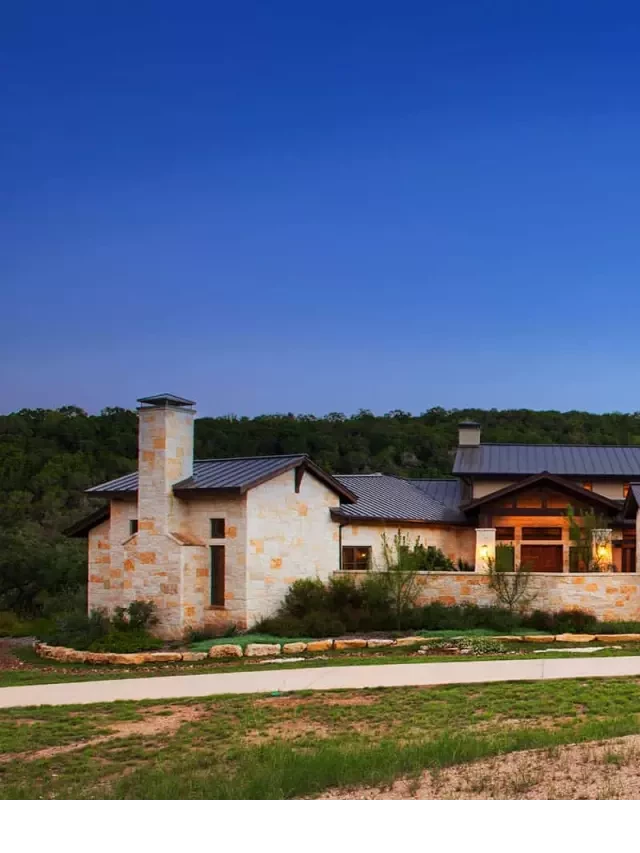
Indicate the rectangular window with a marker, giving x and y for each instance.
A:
(357, 559)
(542, 533)
(217, 528)
(505, 558)
(217, 575)
(505, 534)
(579, 558)
(133, 526)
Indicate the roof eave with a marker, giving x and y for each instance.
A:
(560, 482)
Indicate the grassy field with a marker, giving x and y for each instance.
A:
(36, 670)
(296, 745)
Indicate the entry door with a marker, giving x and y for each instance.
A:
(628, 559)
(541, 558)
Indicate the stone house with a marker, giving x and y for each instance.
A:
(218, 541)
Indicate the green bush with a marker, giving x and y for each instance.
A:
(564, 621)
(618, 627)
(305, 596)
(82, 632)
(129, 640)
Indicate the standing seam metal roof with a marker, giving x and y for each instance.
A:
(561, 459)
(381, 496)
(215, 473)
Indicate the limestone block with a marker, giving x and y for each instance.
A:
(350, 644)
(225, 651)
(378, 644)
(162, 657)
(618, 638)
(130, 659)
(99, 658)
(294, 648)
(409, 641)
(260, 650)
(575, 638)
(193, 656)
(540, 638)
(320, 646)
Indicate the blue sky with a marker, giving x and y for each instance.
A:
(316, 207)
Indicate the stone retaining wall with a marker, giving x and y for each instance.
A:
(611, 597)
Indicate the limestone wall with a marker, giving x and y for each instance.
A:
(455, 542)
(197, 522)
(289, 536)
(99, 585)
(610, 597)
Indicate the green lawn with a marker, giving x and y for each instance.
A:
(297, 744)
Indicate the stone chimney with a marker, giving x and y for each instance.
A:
(469, 434)
(165, 457)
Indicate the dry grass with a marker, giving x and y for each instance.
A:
(605, 770)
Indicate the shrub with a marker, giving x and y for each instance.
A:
(304, 596)
(564, 621)
(618, 627)
(129, 640)
(79, 631)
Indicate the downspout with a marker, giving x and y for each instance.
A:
(340, 526)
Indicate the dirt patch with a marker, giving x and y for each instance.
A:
(318, 699)
(151, 724)
(288, 730)
(603, 770)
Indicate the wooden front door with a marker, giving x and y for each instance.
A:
(628, 557)
(541, 558)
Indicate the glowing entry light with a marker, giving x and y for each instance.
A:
(484, 552)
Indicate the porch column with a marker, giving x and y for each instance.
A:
(602, 549)
(485, 548)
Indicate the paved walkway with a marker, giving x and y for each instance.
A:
(322, 678)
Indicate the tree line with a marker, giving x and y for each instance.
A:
(48, 457)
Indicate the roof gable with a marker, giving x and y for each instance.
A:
(545, 478)
(230, 476)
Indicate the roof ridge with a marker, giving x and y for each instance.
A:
(547, 444)
(238, 458)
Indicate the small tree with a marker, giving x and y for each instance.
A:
(582, 533)
(402, 561)
(514, 589)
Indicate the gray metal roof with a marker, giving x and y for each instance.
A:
(448, 492)
(391, 498)
(238, 474)
(573, 460)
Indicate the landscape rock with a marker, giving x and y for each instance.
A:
(320, 646)
(618, 638)
(130, 659)
(162, 657)
(225, 651)
(350, 644)
(575, 638)
(259, 650)
(409, 641)
(378, 644)
(294, 648)
(193, 656)
(540, 638)
(99, 658)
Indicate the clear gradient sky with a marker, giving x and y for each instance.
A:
(311, 207)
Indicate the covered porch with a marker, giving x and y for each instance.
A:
(527, 524)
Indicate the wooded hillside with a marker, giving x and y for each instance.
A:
(48, 458)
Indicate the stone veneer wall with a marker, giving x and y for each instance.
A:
(455, 542)
(610, 597)
(290, 536)
(198, 609)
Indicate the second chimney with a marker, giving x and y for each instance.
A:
(469, 434)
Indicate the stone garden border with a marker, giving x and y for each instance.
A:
(230, 650)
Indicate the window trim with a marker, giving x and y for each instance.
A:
(532, 538)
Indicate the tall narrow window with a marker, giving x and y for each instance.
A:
(217, 528)
(133, 526)
(217, 575)
(356, 559)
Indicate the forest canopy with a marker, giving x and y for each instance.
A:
(49, 457)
